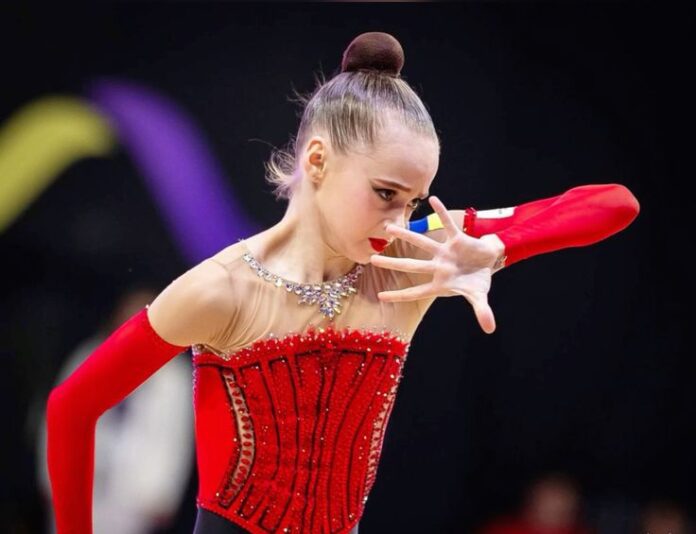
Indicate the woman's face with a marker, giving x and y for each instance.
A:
(363, 191)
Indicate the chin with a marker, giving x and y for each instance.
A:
(362, 257)
(360, 253)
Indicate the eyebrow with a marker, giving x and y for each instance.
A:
(401, 187)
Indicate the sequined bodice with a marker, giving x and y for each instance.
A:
(298, 426)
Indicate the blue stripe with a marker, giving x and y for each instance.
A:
(420, 226)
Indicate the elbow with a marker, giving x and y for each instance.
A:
(54, 415)
(626, 204)
(610, 195)
(53, 405)
(613, 203)
(64, 407)
(56, 406)
(619, 201)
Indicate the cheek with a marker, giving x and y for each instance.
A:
(358, 217)
(353, 213)
(349, 214)
(369, 211)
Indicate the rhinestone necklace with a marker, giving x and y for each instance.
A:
(327, 295)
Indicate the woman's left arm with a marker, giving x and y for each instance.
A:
(581, 216)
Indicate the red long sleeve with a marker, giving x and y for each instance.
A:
(121, 363)
(581, 216)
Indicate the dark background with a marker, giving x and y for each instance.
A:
(590, 370)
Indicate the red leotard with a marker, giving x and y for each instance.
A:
(290, 431)
(291, 408)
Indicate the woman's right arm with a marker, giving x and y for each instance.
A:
(188, 311)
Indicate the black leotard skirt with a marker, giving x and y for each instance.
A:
(210, 523)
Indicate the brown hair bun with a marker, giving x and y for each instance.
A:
(374, 51)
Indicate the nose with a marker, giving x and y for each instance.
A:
(400, 221)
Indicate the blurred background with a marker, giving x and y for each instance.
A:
(132, 143)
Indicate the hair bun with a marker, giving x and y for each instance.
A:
(374, 51)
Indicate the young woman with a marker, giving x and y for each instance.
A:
(299, 333)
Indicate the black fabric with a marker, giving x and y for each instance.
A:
(210, 523)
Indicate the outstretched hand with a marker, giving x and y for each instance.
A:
(461, 265)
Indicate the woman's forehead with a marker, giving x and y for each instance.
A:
(408, 154)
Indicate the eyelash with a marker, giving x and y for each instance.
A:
(417, 200)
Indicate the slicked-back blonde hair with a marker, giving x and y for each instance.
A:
(351, 108)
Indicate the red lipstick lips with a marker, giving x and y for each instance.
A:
(378, 244)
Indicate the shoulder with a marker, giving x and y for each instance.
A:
(194, 306)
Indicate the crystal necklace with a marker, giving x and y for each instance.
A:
(327, 294)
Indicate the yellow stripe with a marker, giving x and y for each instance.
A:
(434, 222)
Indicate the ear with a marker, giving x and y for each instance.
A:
(314, 160)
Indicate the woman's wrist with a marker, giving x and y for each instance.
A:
(499, 249)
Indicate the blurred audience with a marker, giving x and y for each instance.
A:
(664, 517)
(143, 446)
(552, 505)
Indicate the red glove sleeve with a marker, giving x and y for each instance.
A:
(121, 363)
(581, 216)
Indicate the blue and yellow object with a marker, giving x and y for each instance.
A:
(426, 224)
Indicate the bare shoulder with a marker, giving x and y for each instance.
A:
(192, 308)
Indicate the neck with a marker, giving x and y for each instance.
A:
(297, 249)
